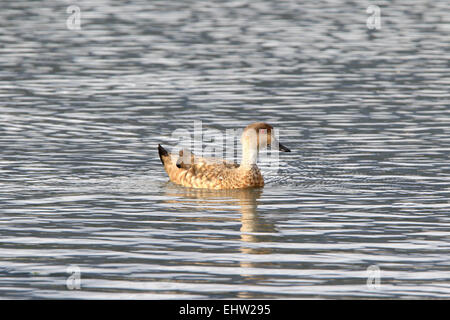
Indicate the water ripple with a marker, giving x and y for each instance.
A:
(364, 112)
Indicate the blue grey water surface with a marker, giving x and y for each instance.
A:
(364, 192)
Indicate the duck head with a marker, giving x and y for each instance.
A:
(258, 136)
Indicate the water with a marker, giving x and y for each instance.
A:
(365, 112)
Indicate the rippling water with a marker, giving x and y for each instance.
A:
(365, 112)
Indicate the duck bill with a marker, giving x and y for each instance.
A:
(283, 148)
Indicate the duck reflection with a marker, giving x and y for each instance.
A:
(253, 229)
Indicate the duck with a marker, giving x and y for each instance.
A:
(193, 171)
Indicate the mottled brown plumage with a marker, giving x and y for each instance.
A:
(193, 171)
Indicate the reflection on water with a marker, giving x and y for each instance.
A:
(253, 229)
(365, 113)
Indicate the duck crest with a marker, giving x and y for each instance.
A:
(190, 170)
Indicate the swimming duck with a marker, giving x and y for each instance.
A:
(193, 171)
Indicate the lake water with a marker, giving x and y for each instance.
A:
(359, 208)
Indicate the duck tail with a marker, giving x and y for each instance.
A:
(162, 153)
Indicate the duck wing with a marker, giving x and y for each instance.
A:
(188, 160)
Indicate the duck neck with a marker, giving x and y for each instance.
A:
(249, 156)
